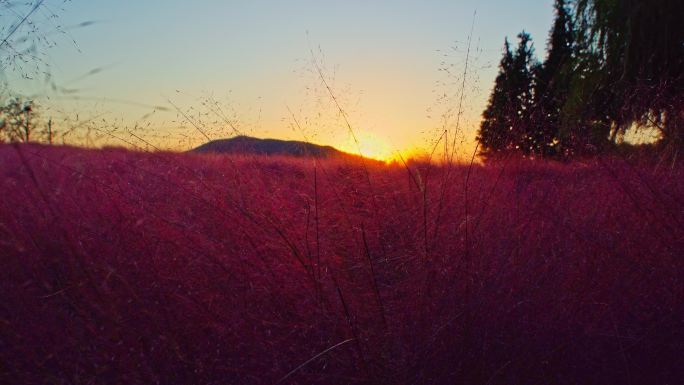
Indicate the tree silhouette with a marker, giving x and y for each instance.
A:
(610, 64)
(17, 121)
(495, 130)
(524, 67)
(552, 83)
(640, 45)
(505, 124)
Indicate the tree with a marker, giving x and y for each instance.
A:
(505, 125)
(640, 46)
(524, 66)
(17, 121)
(496, 126)
(552, 84)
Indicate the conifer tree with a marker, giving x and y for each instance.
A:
(524, 65)
(505, 125)
(552, 83)
(496, 126)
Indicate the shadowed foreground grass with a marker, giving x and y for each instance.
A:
(123, 267)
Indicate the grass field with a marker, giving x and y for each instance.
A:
(122, 267)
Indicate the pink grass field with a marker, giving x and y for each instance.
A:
(120, 267)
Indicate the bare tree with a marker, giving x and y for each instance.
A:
(17, 121)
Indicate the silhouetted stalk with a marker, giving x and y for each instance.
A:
(352, 328)
(374, 279)
(465, 203)
(49, 125)
(21, 22)
(318, 235)
(449, 156)
(312, 359)
(463, 84)
(343, 113)
(186, 117)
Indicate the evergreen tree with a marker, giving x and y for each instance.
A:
(552, 83)
(496, 126)
(521, 83)
(616, 63)
(505, 125)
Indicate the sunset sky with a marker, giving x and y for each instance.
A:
(252, 58)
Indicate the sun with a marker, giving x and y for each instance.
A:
(372, 146)
(369, 146)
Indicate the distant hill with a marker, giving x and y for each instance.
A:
(269, 147)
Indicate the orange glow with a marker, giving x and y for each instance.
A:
(366, 145)
(370, 145)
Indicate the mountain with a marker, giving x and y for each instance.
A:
(249, 145)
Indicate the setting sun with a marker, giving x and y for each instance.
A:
(369, 146)
(374, 146)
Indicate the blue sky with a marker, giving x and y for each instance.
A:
(252, 57)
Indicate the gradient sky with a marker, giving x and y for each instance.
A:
(252, 57)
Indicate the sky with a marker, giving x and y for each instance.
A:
(224, 67)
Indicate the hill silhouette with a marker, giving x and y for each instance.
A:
(274, 147)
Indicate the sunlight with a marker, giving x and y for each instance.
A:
(375, 147)
(369, 145)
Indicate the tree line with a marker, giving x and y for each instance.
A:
(610, 66)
